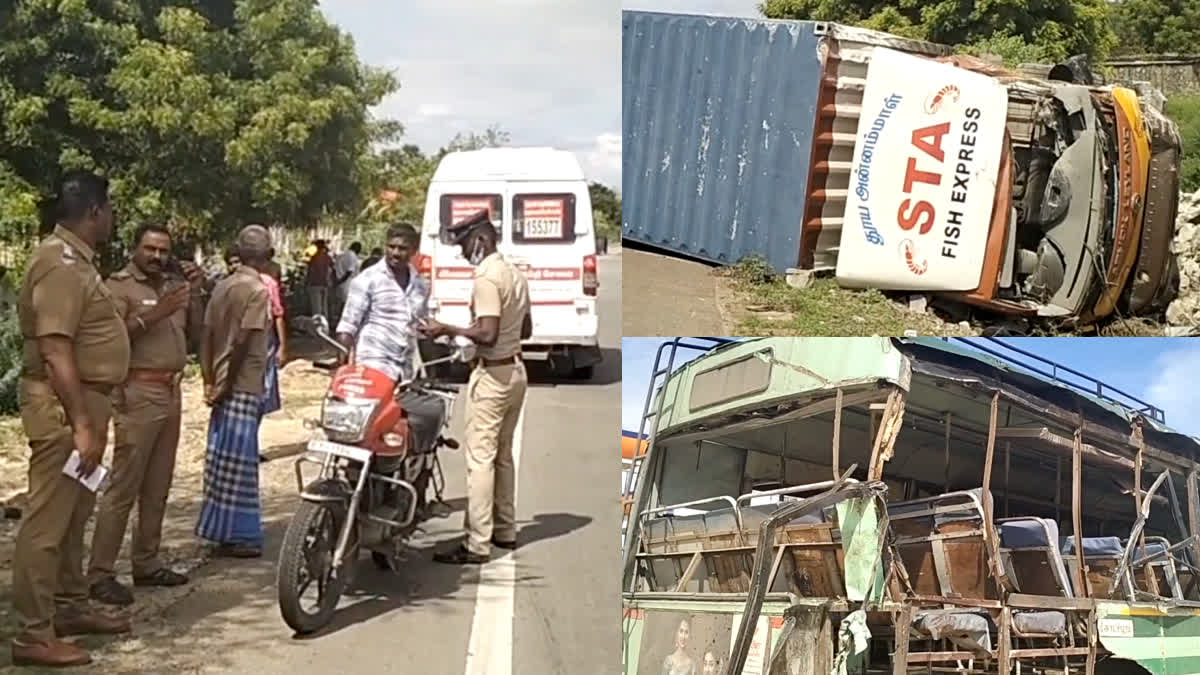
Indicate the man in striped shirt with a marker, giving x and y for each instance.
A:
(384, 306)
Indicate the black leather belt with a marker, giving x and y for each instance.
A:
(487, 363)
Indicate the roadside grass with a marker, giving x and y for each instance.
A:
(772, 307)
(767, 306)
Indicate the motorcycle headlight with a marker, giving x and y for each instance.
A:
(346, 421)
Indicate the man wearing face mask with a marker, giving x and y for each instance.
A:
(496, 390)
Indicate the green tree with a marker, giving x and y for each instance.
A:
(400, 175)
(1156, 26)
(492, 137)
(606, 208)
(207, 114)
(1050, 30)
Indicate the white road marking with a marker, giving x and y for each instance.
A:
(490, 649)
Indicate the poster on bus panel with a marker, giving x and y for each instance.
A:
(923, 177)
(464, 207)
(541, 218)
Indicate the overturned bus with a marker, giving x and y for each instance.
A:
(880, 505)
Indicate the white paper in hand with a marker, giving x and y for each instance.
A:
(91, 482)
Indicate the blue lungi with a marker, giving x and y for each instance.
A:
(231, 512)
(271, 399)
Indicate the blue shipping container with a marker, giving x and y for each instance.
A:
(719, 120)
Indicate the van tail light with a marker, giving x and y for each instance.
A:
(425, 266)
(590, 282)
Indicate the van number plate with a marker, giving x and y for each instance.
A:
(1115, 627)
(542, 228)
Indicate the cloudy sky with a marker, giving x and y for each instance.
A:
(748, 8)
(546, 71)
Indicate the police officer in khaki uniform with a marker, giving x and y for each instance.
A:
(76, 352)
(158, 305)
(496, 390)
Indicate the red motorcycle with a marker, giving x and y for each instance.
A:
(377, 459)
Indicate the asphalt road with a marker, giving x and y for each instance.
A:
(552, 606)
(683, 293)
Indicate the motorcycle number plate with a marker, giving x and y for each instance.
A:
(347, 451)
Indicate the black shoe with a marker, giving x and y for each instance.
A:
(160, 577)
(507, 545)
(237, 551)
(460, 556)
(110, 592)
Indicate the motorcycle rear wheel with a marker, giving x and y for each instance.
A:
(297, 560)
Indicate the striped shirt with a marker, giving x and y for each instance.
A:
(384, 319)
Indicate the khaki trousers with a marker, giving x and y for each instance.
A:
(48, 557)
(495, 395)
(147, 435)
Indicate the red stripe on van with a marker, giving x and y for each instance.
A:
(552, 273)
(531, 273)
(455, 273)
(464, 303)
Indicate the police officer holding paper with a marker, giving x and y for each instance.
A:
(76, 353)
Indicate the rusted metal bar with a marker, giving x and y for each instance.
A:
(900, 653)
(885, 438)
(1151, 578)
(993, 542)
(1176, 509)
(946, 465)
(837, 433)
(1090, 665)
(1004, 637)
(1077, 512)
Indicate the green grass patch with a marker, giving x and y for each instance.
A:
(823, 309)
(1185, 110)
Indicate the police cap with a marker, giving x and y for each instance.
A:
(457, 233)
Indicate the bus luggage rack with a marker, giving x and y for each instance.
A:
(1088, 385)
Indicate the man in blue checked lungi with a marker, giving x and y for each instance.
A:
(233, 360)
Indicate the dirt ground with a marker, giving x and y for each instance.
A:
(282, 434)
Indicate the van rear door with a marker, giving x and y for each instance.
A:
(549, 236)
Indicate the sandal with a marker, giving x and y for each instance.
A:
(160, 577)
(110, 592)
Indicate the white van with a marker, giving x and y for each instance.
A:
(540, 198)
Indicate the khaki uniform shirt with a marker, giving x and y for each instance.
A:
(501, 291)
(238, 302)
(163, 345)
(64, 295)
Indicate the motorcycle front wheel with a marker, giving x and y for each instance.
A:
(305, 560)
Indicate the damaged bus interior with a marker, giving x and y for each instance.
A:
(886, 505)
